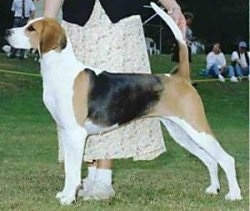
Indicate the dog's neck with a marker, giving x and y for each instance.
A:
(63, 60)
(60, 60)
(55, 54)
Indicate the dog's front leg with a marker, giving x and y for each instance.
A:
(60, 144)
(73, 146)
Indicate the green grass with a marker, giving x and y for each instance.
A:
(30, 175)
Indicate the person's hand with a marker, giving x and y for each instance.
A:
(180, 20)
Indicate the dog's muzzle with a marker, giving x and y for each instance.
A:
(17, 39)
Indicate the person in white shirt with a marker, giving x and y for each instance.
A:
(23, 11)
(216, 65)
(240, 60)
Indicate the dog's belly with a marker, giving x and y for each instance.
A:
(92, 128)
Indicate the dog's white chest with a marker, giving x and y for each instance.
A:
(57, 97)
(58, 84)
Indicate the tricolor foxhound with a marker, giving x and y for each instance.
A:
(84, 101)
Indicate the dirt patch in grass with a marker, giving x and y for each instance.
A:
(6, 66)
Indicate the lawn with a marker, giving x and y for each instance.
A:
(30, 175)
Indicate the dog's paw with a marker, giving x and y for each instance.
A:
(233, 196)
(59, 195)
(213, 190)
(65, 199)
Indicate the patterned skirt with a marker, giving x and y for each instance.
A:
(118, 47)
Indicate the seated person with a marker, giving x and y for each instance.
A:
(240, 60)
(216, 65)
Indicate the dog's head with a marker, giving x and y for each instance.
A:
(44, 34)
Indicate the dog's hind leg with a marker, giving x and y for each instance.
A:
(184, 134)
(185, 141)
(73, 146)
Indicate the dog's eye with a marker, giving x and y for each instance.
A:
(30, 28)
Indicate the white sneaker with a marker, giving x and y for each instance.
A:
(221, 78)
(98, 191)
(233, 79)
(86, 185)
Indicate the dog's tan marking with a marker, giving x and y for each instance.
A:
(180, 99)
(47, 35)
(80, 97)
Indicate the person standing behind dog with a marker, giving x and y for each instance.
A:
(108, 35)
(189, 33)
(23, 11)
(188, 36)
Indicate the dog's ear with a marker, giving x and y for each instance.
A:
(52, 37)
(62, 40)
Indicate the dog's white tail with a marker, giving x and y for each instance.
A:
(183, 69)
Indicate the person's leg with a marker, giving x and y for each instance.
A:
(104, 172)
(98, 184)
(91, 170)
(218, 73)
(238, 70)
(245, 71)
(209, 71)
(231, 74)
(96, 168)
(213, 71)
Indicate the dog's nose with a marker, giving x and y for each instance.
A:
(8, 32)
